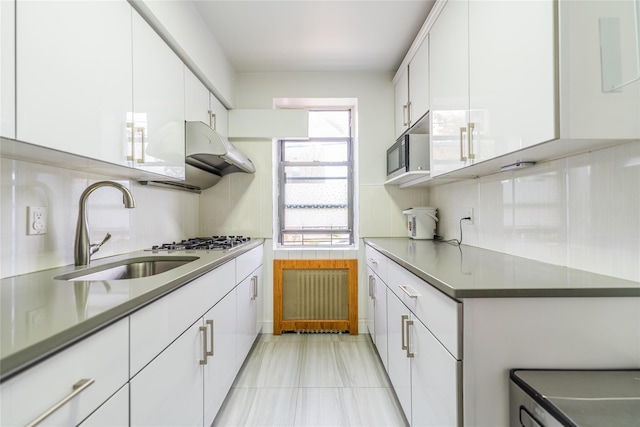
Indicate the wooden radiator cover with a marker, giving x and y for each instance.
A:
(323, 302)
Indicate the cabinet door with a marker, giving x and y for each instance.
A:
(220, 370)
(512, 79)
(168, 391)
(157, 124)
(219, 116)
(73, 77)
(449, 88)
(102, 357)
(155, 326)
(402, 103)
(600, 51)
(7, 69)
(399, 364)
(114, 412)
(196, 98)
(419, 82)
(247, 314)
(380, 320)
(435, 380)
(371, 280)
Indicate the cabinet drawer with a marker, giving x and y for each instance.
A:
(114, 412)
(377, 262)
(440, 314)
(248, 262)
(154, 327)
(102, 357)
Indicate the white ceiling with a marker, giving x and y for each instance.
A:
(314, 35)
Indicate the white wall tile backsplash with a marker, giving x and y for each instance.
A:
(160, 215)
(582, 211)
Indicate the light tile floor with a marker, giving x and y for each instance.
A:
(312, 380)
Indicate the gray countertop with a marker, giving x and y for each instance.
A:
(586, 398)
(470, 272)
(41, 315)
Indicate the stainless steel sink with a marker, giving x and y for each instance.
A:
(133, 268)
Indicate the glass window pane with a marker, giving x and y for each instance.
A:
(316, 151)
(329, 123)
(314, 239)
(317, 190)
(303, 217)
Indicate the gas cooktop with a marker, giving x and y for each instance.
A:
(203, 243)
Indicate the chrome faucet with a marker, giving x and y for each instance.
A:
(83, 248)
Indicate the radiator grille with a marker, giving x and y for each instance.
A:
(315, 294)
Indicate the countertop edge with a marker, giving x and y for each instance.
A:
(22, 360)
(452, 292)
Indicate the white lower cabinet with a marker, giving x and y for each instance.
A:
(399, 364)
(371, 280)
(100, 362)
(186, 382)
(435, 380)
(220, 370)
(377, 314)
(114, 412)
(425, 376)
(168, 391)
(249, 301)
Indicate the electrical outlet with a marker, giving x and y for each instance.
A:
(36, 220)
(469, 214)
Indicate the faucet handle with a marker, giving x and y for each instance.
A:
(96, 247)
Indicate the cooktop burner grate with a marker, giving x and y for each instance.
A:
(203, 243)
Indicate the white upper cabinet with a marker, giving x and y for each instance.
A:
(202, 106)
(449, 87)
(401, 96)
(74, 76)
(7, 69)
(512, 92)
(419, 83)
(412, 90)
(491, 94)
(196, 98)
(219, 116)
(600, 69)
(156, 125)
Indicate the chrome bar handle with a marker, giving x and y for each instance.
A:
(210, 323)
(402, 319)
(203, 329)
(405, 114)
(409, 353)
(373, 287)
(463, 158)
(78, 388)
(132, 133)
(373, 261)
(256, 282)
(409, 113)
(470, 141)
(409, 294)
(141, 129)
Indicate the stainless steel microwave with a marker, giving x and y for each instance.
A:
(410, 153)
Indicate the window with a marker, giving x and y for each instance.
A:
(315, 177)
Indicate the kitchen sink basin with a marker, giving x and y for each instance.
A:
(133, 268)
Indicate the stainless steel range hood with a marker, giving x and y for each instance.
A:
(209, 157)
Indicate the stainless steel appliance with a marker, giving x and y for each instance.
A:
(409, 153)
(209, 157)
(203, 243)
(574, 398)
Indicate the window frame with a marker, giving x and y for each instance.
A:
(349, 164)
